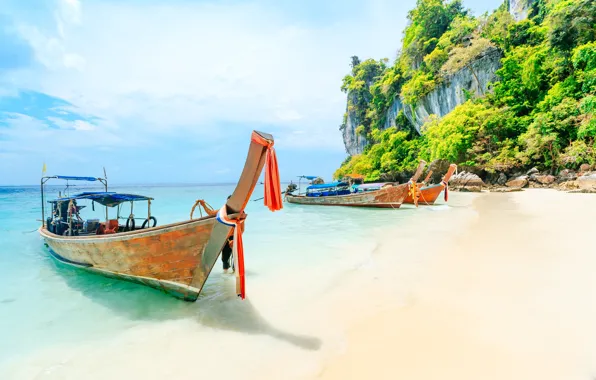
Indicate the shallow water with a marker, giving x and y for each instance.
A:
(55, 317)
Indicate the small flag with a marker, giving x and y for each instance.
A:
(43, 170)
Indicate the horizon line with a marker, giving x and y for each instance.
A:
(143, 184)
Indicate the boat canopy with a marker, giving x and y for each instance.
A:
(76, 178)
(326, 185)
(309, 177)
(110, 199)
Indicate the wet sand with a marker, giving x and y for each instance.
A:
(511, 296)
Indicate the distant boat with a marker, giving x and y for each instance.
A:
(429, 194)
(387, 195)
(175, 258)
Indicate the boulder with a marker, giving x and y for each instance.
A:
(544, 179)
(465, 181)
(532, 171)
(584, 168)
(587, 181)
(568, 185)
(521, 181)
(567, 175)
(502, 179)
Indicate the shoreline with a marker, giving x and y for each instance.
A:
(583, 181)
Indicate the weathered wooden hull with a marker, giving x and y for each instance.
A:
(170, 258)
(428, 194)
(389, 197)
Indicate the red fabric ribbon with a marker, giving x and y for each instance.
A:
(272, 197)
(446, 190)
(239, 257)
(237, 249)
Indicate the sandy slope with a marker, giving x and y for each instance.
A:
(511, 297)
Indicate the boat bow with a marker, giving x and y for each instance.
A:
(231, 215)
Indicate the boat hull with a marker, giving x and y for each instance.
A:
(170, 258)
(389, 197)
(428, 195)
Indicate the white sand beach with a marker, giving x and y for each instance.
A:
(512, 296)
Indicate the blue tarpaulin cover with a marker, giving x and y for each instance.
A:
(369, 186)
(309, 177)
(75, 178)
(105, 198)
(326, 185)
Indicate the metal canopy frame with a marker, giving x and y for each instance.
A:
(307, 177)
(45, 179)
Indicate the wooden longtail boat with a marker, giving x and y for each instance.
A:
(175, 258)
(390, 196)
(427, 195)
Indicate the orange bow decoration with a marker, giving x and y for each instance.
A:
(272, 198)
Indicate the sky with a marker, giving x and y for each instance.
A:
(169, 91)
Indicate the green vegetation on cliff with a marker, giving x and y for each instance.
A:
(540, 112)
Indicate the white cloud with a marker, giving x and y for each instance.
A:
(67, 13)
(188, 66)
(71, 142)
(76, 125)
(81, 125)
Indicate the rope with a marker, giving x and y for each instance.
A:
(260, 199)
(413, 190)
(206, 206)
(423, 199)
(70, 205)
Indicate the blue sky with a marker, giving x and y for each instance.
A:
(169, 91)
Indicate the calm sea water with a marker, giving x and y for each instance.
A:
(44, 304)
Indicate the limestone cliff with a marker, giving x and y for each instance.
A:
(353, 141)
(472, 80)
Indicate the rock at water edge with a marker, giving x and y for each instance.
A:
(521, 181)
(465, 181)
(568, 185)
(545, 179)
(587, 181)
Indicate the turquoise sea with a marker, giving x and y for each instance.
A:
(48, 310)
